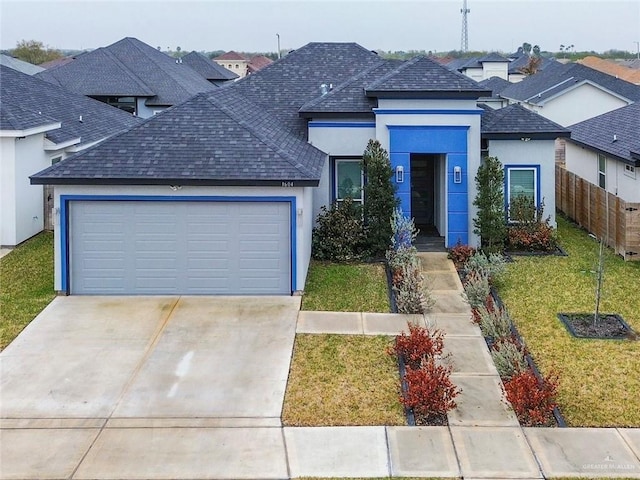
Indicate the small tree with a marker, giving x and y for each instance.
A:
(490, 222)
(34, 52)
(379, 197)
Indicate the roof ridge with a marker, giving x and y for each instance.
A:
(267, 140)
(128, 71)
(319, 99)
(393, 72)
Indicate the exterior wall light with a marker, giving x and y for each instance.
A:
(457, 174)
(399, 174)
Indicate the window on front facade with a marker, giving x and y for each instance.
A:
(348, 180)
(55, 160)
(522, 189)
(602, 171)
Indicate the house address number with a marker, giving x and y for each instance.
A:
(288, 184)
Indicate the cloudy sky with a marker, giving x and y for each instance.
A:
(376, 24)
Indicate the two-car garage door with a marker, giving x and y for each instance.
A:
(179, 247)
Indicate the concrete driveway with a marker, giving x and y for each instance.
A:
(148, 387)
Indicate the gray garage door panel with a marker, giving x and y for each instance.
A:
(155, 248)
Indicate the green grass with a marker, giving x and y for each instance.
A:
(26, 285)
(599, 379)
(337, 287)
(342, 380)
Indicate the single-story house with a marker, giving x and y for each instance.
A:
(605, 151)
(209, 69)
(571, 93)
(41, 124)
(219, 195)
(131, 76)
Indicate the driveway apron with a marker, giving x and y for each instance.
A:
(102, 386)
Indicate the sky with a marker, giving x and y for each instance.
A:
(390, 25)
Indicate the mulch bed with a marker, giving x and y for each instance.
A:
(608, 327)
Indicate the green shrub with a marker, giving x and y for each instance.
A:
(509, 358)
(494, 323)
(476, 289)
(490, 220)
(380, 197)
(493, 265)
(339, 234)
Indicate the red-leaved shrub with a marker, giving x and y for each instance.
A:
(429, 389)
(460, 254)
(419, 345)
(537, 238)
(532, 399)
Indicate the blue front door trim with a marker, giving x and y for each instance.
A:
(450, 141)
(64, 222)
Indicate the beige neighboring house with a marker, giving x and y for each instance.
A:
(240, 64)
(233, 61)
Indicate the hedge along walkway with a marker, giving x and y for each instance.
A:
(599, 379)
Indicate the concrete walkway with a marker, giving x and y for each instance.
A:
(483, 439)
(156, 390)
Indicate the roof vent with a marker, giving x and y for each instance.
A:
(326, 88)
(80, 119)
(615, 137)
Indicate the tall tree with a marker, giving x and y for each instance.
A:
(34, 52)
(379, 197)
(490, 223)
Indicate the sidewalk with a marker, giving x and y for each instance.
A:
(483, 439)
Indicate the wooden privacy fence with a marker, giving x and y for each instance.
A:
(586, 204)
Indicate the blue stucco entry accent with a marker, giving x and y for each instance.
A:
(449, 140)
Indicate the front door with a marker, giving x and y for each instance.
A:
(423, 187)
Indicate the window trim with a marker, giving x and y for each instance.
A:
(56, 159)
(602, 174)
(334, 178)
(507, 184)
(630, 170)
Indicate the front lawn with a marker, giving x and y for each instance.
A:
(26, 285)
(599, 379)
(338, 287)
(342, 380)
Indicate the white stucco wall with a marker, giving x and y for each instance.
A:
(495, 69)
(579, 104)
(584, 162)
(143, 111)
(22, 203)
(336, 140)
(533, 152)
(441, 119)
(304, 219)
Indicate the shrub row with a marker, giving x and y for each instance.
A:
(408, 282)
(429, 391)
(531, 397)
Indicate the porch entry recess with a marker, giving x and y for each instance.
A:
(430, 192)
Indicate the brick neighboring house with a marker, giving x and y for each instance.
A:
(242, 65)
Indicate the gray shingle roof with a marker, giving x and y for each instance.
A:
(422, 77)
(17, 64)
(547, 83)
(208, 68)
(495, 84)
(349, 97)
(216, 138)
(515, 121)
(598, 133)
(24, 98)
(522, 60)
(129, 67)
(287, 84)
(493, 57)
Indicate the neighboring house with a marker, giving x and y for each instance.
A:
(131, 76)
(41, 124)
(631, 75)
(482, 68)
(219, 195)
(258, 63)
(233, 61)
(605, 151)
(496, 85)
(57, 62)
(520, 60)
(209, 69)
(571, 93)
(19, 65)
